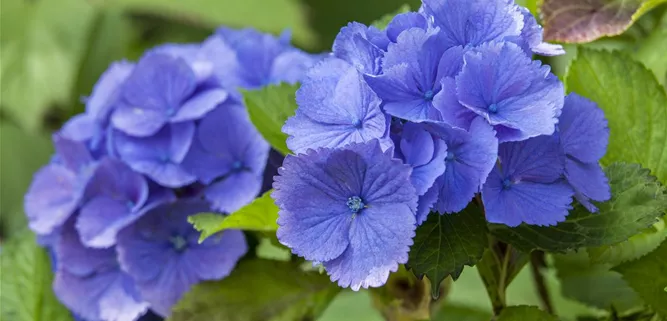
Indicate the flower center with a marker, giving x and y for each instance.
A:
(450, 156)
(355, 204)
(357, 123)
(428, 95)
(179, 243)
(237, 166)
(507, 184)
(493, 108)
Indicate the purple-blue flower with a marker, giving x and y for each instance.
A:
(162, 89)
(412, 70)
(405, 21)
(115, 197)
(425, 153)
(520, 97)
(336, 108)
(229, 156)
(91, 284)
(162, 254)
(584, 135)
(159, 156)
(57, 188)
(532, 36)
(352, 209)
(361, 46)
(527, 184)
(470, 157)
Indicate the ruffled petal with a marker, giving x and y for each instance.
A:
(588, 180)
(52, 197)
(234, 191)
(583, 129)
(197, 106)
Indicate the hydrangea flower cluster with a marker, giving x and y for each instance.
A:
(161, 139)
(443, 106)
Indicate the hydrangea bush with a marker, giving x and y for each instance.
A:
(426, 142)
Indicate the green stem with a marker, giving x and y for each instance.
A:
(537, 264)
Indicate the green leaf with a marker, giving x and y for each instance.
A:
(648, 277)
(386, 19)
(260, 215)
(17, 165)
(497, 269)
(258, 290)
(578, 21)
(42, 43)
(269, 108)
(637, 202)
(525, 312)
(25, 285)
(593, 284)
(270, 16)
(634, 103)
(445, 243)
(632, 249)
(650, 50)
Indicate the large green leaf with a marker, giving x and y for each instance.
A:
(42, 43)
(634, 103)
(25, 283)
(648, 276)
(21, 154)
(445, 243)
(524, 313)
(650, 50)
(269, 108)
(637, 202)
(270, 16)
(258, 290)
(631, 249)
(260, 215)
(584, 21)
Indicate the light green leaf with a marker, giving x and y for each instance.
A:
(524, 313)
(25, 284)
(386, 19)
(445, 243)
(650, 51)
(42, 43)
(637, 202)
(260, 215)
(270, 16)
(17, 165)
(259, 290)
(648, 277)
(578, 21)
(632, 249)
(269, 108)
(634, 103)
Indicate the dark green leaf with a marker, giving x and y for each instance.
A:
(634, 103)
(26, 283)
(42, 46)
(445, 243)
(258, 290)
(637, 202)
(648, 277)
(584, 21)
(269, 108)
(260, 215)
(525, 313)
(386, 19)
(632, 249)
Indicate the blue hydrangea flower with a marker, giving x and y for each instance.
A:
(159, 156)
(336, 108)
(57, 188)
(425, 153)
(361, 46)
(162, 89)
(351, 209)
(162, 254)
(584, 135)
(532, 34)
(230, 159)
(91, 284)
(470, 157)
(115, 197)
(527, 184)
(412, 70)
(405, 21)
(499, 82)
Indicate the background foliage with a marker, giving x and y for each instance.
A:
(53, 51)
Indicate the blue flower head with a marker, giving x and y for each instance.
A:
(91, 284)
(527, 184)
(361, 46)
(162, 254)
(336, 108)
(229, 159)
(583, 133)
(352, 209)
